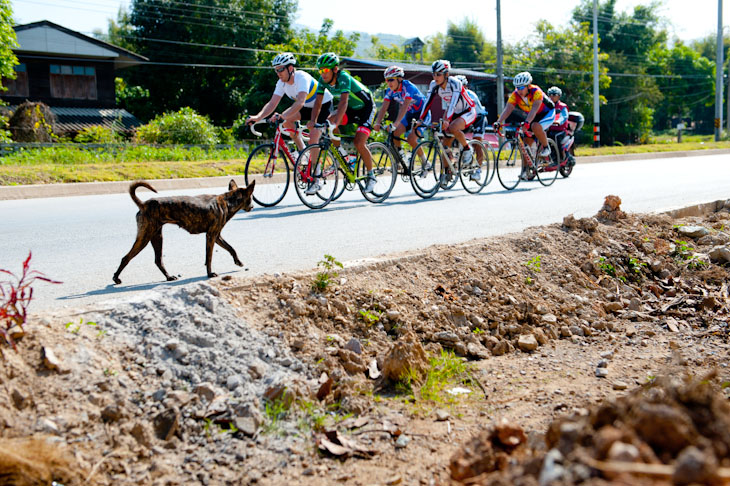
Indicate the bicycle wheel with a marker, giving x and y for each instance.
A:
(509, 164)
(450, 178)
(474, 174)
(386, 173)
(324, 165)
(566, 166)
(546, 168)
(270, 173)
(425, 167)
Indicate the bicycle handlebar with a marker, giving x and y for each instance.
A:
(299, 127)
(330, 130)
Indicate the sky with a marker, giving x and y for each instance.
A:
(687, 19)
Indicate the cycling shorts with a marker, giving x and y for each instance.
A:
(414, 115)
(545, 119)
(324, 112)
(362, 116)
(480, 125)
(469, 116)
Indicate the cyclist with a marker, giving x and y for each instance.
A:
(480, 124)
(355, 105)
(560, 125)
(459, 109)
(535, 109)
(301, 87)
(411, 101)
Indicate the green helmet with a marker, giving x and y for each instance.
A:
(328, 60)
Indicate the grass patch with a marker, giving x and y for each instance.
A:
(658, 144)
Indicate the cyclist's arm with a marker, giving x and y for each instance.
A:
(533, 111)
(381, 113)
(316, 109)
(298, 104)
(429, 99)
(508, 109)
(341, 108)
(267, 110)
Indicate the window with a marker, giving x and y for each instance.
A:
(77, 82)
(19, 85)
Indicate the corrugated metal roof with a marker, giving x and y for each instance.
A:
(413, 68)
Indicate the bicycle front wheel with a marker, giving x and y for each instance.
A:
(546, 168)
(425, 168)
(509, 164)
(316, 176)
(474, 173)
(270, 172)
(385, 170)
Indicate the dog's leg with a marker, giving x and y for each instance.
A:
(209, 242)
(223, 243)
(157, 245)
(143, 238)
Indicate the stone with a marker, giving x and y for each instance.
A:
(112, 413)
(620, 385)
(246, 425)
(442, 415)
(406, 355)
(476, 351)
(694, 466)
(166, 423)
(601, 372)
(234, 381)
(720, 254)
(549, 319)
(206, 390)
(527, 342)
(693, 231)
(565, 332)
(623, 452)
(354, 345)
(613, 306)
(141, 434)
(402, 441)
(672, 325)
(50, 361)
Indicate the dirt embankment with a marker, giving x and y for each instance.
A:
(552, 356)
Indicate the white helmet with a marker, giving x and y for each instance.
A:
(463, 79)
(284, 59)
(394, 72)
(554, 90)
(522, 79)
(441, 66)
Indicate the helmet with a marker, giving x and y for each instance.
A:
(284, 59)
(463, 79)
(328, 60)
(394, 72)
(441, 66)
(554, 90)
(522, 79)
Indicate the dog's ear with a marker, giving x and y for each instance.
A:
(232, 185)
(250, 187)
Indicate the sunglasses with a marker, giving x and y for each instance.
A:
(436, 75)
(325, 70)
(391, 79)
(280, 69)
(520, 87)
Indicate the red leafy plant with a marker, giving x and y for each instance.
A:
(15, 296)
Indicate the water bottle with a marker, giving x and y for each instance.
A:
(350, 159)
(403, 156)
(295, 155)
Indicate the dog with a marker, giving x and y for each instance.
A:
(206, 213)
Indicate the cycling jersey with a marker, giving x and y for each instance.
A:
(407, 91)
(534, 95)
(454, 100)
(303, 81)
(477, 104)
(344, 83)
(561, 117)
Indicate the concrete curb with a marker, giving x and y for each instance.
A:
(117, 187)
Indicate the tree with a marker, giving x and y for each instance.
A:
(380, 51)
(190, 41)
(8, 40)
(465, 45)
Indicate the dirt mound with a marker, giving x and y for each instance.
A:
(409, 360)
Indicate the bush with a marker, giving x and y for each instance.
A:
(97, 134)
(4, 133)
(33, 122)
(182, 127)
(240, 129)
(225, 135)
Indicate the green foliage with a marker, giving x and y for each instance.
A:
(382, 52)
(465, 45)
(369, 317)
(8, 41)
(478, 331)
(445, 370)
(684, 253)
(182, 127)
(606, 267)
(636, 265)
(97, 134)
(323, 279)
(535, 264)
(76, 327)
(134, 99)
(5, 136)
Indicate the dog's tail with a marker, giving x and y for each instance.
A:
(133, 187)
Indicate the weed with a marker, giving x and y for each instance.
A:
(75, 328)
(110, 372)
(477, 331)
(15, 297)
(275, 410)
(606, 267)
(369, 317)
(685, 254)
(444, 370)
(529, 281)
(324, 278)
(534, 264)
(636, 265)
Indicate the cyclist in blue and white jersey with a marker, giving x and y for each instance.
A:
(479, 127)
(411, 102)
(459, 109)
(300, 87)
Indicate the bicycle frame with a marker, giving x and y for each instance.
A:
(279, 144)
(439, 135)
(518, 137)
(325, 142)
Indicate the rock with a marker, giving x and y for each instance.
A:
(634, 304)
(246, 425)
(720, 254)
(351, 361)
(620, 385)
(693, 231)
(672, 325)
(476, 351)
(257, 370)
(549, 319)
(354, 345)
(613, 306)
(50, 361)
(206, 390)
(402, 441)
(602, 363)
(694, 466)
(233, 382)
(601, 372)
(373, 371)
(552, 471)
(446, 338)
(112, 413)
(442, 415)
(141, 434)
(500, 348)
(393, 314)
(527, 342)
(623, 452)
(166, 423)
(406, 355)
(48, 426)
(565, 332)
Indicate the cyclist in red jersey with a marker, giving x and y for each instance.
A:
(535, 109)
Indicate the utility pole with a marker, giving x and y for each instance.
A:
(500, 72)
(718, 75)
(596, 106)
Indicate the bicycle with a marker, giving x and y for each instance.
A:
(330, 163)
(272, 182)
(518, 163)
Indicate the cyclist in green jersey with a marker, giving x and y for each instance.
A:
(355, 105)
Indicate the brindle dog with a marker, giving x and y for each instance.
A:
(196, 214)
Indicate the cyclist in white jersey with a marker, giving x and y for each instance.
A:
(459, 110)
(300, 87)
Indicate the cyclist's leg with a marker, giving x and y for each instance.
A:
(291, 131)
(539, 127)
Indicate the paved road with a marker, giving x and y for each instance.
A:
(80, 240)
